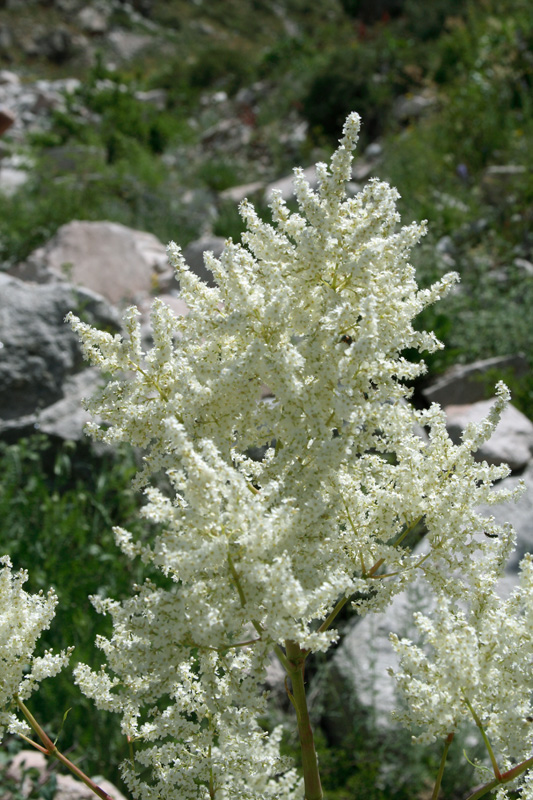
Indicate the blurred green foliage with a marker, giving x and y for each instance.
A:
(58, 504)
(464, 167)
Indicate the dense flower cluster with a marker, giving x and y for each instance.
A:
(318, 308)
(23, 617)
(476, 662)
(481, 656)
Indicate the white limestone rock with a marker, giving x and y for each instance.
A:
(511, 442)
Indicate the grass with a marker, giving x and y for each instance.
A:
(442, 165)
(58, 504)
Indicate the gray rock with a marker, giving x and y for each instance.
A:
(32, 103)
(93, 20)
(199, 207)
(286, 185)
(446, 246)
(127, 45)
(9, 78)
(117, 262)
(65, 419)
(40, 356)
(11, 179)
(446, 251)
(214, 98)
(194, 255)
(466, 383)
(176, 304)
(48, 97)
(511, 442)
(520, 514)
(413, 106)
(374, 150)
(32, 271)
(229, 134)
(362, 169)
(156, 97)
(236, 194)
(357, 677)
(68, 788)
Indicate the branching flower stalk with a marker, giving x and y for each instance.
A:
(50, 749)
(23, 617)
(298, 352)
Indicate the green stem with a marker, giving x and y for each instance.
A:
(51, 750)
(236, 581)
(296, 658)
(212, 789)
(33, 744)
(490, 751)
(510, 775)
(150, 380)
(257, 625)
(436, 788)
(408, 530)
(327, 622)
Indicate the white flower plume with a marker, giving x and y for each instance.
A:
(23, 617)
(318, 307)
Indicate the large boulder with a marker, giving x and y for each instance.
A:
(31, 770)
(356, 680)
(121, 264)
(286, 185)
(467, 383)
(127, 45)
(512, 441)
(520, 514)
(93, 20)
(236, 194)
(194, 255)
(41, 361)
(64, 419)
